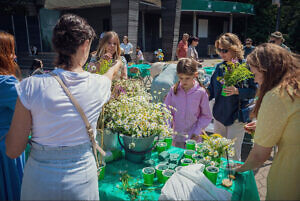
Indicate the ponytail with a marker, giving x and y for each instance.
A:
(176, 87)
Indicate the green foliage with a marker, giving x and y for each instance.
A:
(104, 66)
(263, 23)
(235, 73)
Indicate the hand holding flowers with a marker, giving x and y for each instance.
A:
(231, 91)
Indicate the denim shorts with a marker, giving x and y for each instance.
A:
(60, 173)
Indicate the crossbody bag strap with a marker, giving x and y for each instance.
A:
(83, 116)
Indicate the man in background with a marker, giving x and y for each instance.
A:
(248, 48)
(278, 39)
(182, 47)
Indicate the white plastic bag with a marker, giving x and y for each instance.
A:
(189, 183)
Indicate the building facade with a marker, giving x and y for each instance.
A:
(150, 24)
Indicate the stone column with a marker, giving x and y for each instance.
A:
(171, 12)
(125, 18)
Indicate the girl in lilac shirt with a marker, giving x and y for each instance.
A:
(190, 100)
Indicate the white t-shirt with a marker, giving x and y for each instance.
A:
(55, 120)
(192, 52)
(126, 47)
(140, 55)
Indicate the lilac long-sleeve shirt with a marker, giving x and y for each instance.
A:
(192, 111)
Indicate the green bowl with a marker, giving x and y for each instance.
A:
(189, 154)
(190, 144)
(167, 174)
(186, 162)
(148, 175)
(169, 141)
(159, 169)
(211, 172)
(161, 146)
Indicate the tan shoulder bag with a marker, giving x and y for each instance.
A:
(88, 127)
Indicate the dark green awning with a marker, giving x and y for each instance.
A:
(217, 6)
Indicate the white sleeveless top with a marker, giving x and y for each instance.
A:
(55, 120)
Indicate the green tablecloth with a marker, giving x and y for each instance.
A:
(209, 70)
(243, 188)
(144, 70)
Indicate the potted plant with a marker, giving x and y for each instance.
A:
(214, 147)
(138, 121)
(130, 88)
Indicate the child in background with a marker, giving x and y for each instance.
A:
(125, 63)
(159, 55)
(190, 100)
(107, 53)
(37, 67)
(139, 57)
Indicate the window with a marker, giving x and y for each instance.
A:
(202, 28)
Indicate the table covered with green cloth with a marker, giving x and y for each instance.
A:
(209, 70)
(143, 68)
(110, 188)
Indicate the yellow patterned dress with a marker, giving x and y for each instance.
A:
(278, 123)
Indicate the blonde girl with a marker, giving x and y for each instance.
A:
(109, 49)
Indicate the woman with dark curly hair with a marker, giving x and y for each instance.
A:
(61, 165)
(277, 109)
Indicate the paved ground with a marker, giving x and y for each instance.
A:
(210, 62)
(261, 179)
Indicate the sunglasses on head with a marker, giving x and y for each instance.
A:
(222, 50)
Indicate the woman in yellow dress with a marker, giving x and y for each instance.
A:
(107, 53)
(277, 109)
